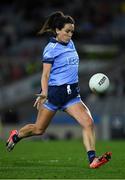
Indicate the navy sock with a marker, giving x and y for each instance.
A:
(16, 138)
(91, 155)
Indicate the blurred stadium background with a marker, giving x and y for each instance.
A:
(100, 41)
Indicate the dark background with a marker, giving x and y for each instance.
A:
(99, 38)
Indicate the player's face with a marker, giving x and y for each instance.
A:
(65, 34)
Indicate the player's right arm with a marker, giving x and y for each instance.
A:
(44, 85)
(45, 78)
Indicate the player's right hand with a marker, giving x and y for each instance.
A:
(39, 101)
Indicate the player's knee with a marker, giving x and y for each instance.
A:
(39, 131)
(89, 124)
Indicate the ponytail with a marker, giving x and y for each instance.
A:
(55, 20)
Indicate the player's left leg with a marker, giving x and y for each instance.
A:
(81, 113)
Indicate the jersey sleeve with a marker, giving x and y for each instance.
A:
(48, 57)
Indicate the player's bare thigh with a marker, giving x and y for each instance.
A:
(44, 117)
(81, 113)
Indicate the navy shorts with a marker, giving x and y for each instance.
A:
(61, 97)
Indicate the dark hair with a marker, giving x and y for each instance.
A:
(56, 20)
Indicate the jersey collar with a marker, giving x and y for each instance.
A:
(53, 39)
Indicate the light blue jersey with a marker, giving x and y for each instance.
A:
(64, 60)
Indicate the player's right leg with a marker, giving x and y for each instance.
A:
(13, 138)
(43, 119)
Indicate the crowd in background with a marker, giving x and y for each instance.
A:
(97, 22)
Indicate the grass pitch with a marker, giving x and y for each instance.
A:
(59, 160)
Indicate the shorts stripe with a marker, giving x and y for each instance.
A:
(52, 107)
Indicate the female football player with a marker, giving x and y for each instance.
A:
(60, 90)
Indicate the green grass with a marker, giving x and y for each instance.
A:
(59, 160)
